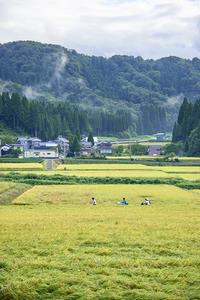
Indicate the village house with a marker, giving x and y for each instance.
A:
(42, 152)
(5, 150)
(63, 144)
(104, 148)
(86, 151)
(86, 147)
(22, 141)
(34, 147)
(34, 142)
(154, 150)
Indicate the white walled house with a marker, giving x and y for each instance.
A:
(42, 152)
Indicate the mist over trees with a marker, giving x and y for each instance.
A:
(146, 92)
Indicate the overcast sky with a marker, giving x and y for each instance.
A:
(149, 28)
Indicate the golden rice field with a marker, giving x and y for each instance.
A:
(18, 166)
(138, 157)
(141, 174)
(130, 170)
(105, 194)
(62, 247)
(103, 167)
(125, 167)
(193, 177)
(120, 173)
(178, 169)
(117, 170)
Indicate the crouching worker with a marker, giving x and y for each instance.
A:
(146, 202)
(93, 201)
(123, 202)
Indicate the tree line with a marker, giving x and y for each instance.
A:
(187, 128)
(47, 119)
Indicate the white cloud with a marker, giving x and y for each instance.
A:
(150, 28)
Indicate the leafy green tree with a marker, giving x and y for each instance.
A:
(138, 149)
(119, 150)
(194, 142)
(173, 148)
(90, 138)
(75, 146)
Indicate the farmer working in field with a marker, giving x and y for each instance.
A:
(93, 201)
(123, 202)
(146, 202)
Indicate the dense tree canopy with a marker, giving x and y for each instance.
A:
(48, 119)
(187, 127)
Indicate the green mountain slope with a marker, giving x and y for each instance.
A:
(151, 89)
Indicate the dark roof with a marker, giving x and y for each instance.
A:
(42, 148)
(107, 144)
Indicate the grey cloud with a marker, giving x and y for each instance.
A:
(105, 27)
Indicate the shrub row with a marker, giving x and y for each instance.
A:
(20, 160)
(35, 179)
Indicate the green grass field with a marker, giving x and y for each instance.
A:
(61, 247)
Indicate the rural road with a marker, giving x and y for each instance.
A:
(48, 164)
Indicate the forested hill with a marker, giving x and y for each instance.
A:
(151, 90)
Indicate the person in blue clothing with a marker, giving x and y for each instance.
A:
(124, 201)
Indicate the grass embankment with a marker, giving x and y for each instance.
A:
(10, 191)
(79, 251)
